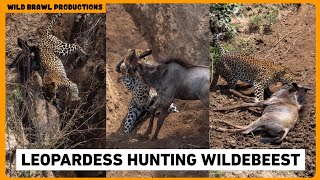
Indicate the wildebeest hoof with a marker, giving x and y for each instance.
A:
(144, 136)
(153, 138)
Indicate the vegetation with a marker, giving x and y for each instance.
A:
(254, 23)
(221, 21)
(270, 19)
(221, 16)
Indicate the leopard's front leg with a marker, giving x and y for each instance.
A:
(258, 90)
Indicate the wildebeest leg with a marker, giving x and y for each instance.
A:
(238, 128)
(250, 99)
(244, 105)
(214, 80)
(150, 126)
(286, 130)
(230, 124)
(153, 110)
(243, 129)
(226, 130)
(278, 133)
(204, 96)
(163, 114)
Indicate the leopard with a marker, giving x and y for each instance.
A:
(142, 95)
(55, 75)
(247, 68)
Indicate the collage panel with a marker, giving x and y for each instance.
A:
(263, 82)
(163, 76)
(55, 86)
(157, 58)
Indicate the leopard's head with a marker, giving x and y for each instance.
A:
(286, 76)
(49, 87)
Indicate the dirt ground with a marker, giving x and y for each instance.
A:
(291, 44)
(187, 129)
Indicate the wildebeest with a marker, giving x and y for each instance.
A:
(280, 115)
(27, 61)
(142, 95)
(172, 78)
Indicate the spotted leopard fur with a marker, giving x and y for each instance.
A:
(261, 74)
(142, 96)
(55, 76)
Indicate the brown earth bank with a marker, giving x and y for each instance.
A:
(291, 44)
(164, 29)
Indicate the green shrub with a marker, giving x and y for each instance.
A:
(270, 19)
(220, 18)
(254, 23)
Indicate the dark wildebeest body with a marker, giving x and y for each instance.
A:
(172, 78)
(182, 83)
(278, 118)
(27, 61)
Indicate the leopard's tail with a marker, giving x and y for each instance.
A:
(52, 22)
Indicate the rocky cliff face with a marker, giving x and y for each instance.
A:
(174, 30)
(168, 31)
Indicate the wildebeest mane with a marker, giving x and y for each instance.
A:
(180, 61)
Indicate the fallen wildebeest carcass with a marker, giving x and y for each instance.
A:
(280, 115)
(172, 78)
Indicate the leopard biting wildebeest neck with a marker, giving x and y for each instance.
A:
(172, 79)
(142, 95)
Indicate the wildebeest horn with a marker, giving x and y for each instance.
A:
(146, 53)
(132, 55)
(307, 88)
(22, 44)
(295, 85)
(304, 87)
(132, 52)
(118, 66)
(30, 43)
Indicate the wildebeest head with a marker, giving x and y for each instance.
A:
(299, 93)
(132, 62)
(27, 60)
